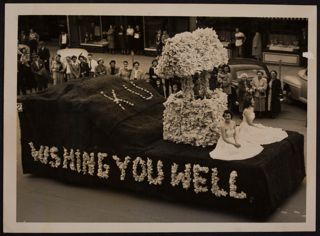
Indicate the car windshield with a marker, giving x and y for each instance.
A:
(250, 72)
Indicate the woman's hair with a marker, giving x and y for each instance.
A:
(260, 71)
(154, 60)
(227, 66)
(274, 72)
(243, 75)
(136, 62)
(227, 112)
(247, 103)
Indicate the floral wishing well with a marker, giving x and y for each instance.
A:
(185, 119)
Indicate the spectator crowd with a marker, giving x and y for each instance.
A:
(36, 71)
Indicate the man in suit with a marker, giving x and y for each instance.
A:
(44, 54)
(39, 72)
(136, 73)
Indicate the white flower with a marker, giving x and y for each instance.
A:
(88, 161)
(139, 177)
(198, 181)
(233, 187)
(186, 53)
(184, 177)
(195, 122)
(122, 165)
(215, 189)
(160, 177)
(103, 169)
(68, 157)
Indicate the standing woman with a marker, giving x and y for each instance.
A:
(129, 34)
(242, 91)
(33, 41)
(260, 84)
(153, 76)
(274, 92)
(110, 38)
(57, 69)
(257, 46)
(121, 38)
(137, 40)
(159, 42)
(226, 84)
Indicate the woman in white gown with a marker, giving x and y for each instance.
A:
(258, 133)
(229, 146)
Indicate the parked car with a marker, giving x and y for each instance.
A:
(248, 66)
(72, 52)
(295, 87)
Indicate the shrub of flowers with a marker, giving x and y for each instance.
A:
(195, 122)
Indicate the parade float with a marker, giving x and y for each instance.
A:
(114, 133)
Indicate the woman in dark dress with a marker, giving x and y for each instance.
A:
(129, 36)
(121, 40)
(152, 74)
(274, 92)
(137, 40)
(159, 87)
(84, 67)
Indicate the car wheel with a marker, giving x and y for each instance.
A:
(288, 95)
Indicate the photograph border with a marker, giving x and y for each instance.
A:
(12, 11)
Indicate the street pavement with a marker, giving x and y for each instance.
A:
(47, 200)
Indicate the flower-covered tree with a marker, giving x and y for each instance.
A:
(187, 53)
(186, 120)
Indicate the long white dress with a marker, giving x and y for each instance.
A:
(259, 133)
(228, 152)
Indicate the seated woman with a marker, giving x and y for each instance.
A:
(101, 69)
(229, 146)
(257, 133)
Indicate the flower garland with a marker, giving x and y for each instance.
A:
(41, 155)
(68, 157)
(117, 100)
(198, 181)
(160, 177)
(185, 177)
(88, 161)
(78, 157)
(103, 169)
(122, 165)
(233, 187)
(46, 154)
(138, 94)
(215, 189)
(56, 160)
(143, 174)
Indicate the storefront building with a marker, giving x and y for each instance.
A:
(283, 40)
